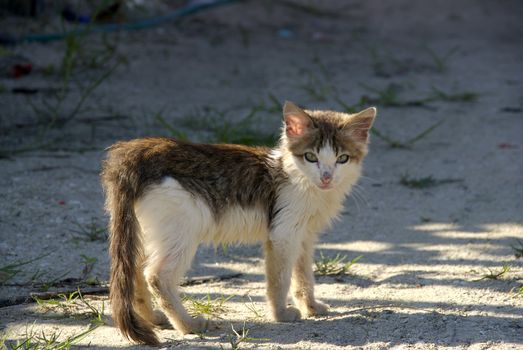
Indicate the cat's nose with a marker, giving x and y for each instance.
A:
(326, 177)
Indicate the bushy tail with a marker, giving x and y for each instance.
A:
(125, 251)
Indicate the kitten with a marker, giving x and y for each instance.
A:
(165, 197)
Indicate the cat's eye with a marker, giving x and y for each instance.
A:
(344, 158)
(310, 157)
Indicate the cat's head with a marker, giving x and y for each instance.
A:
(327, 147)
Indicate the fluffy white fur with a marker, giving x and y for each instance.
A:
(173, 223)
(158, 222)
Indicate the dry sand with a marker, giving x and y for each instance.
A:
(424, 249)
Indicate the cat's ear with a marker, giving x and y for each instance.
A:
(359, 124)
(297, 122)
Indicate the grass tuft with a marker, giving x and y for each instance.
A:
(462, 96)
(385, 64)
(9, 271)
(73, 305)
(440, 62)
(76, 62)
(410, 142)
(220, 129)
(390, 97)
(90, 232)
(317, 89)
(206, 305)
(95, 315)
(33, 340)
(334, 266)
(425, 182)
(518, 248)
(236, 338)
(250, 305)
(89, 262)
(66, 304)
(493, 275)
(176, 133)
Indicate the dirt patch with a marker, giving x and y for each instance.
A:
(436, 217)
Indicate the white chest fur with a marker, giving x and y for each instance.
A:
(168, 212)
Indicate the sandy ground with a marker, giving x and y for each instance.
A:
(426, 250)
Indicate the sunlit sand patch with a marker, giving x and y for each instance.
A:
(508, 229)
(357, 246)
(436, 226)
(484, 231)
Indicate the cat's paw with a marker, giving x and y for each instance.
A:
(198, 325)
(211, 325)
(317, 309)
(160, 320)
(289, 314)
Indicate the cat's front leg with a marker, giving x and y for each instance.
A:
(280, 256)
(303, 282)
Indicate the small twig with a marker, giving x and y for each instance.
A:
(88, 93)
(27, 90)
(209, 279)
(7, 153)
(424, 133)
(102, 290)
(388, 306)
(310, 9)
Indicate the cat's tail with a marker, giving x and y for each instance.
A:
(125, 250)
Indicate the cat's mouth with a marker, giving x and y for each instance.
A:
(325, 186)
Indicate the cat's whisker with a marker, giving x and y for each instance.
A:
(360, 189)
(359, 193)
(368, 178)
(358, 199)
(354, 197)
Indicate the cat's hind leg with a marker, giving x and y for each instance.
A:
(172, 222)
(143, 302)
(163, 275)
(303, 282)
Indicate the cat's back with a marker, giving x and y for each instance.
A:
(156, 157)
(170, 149)
(220, 174)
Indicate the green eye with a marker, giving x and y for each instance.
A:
(310, 157)
(344, 158)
